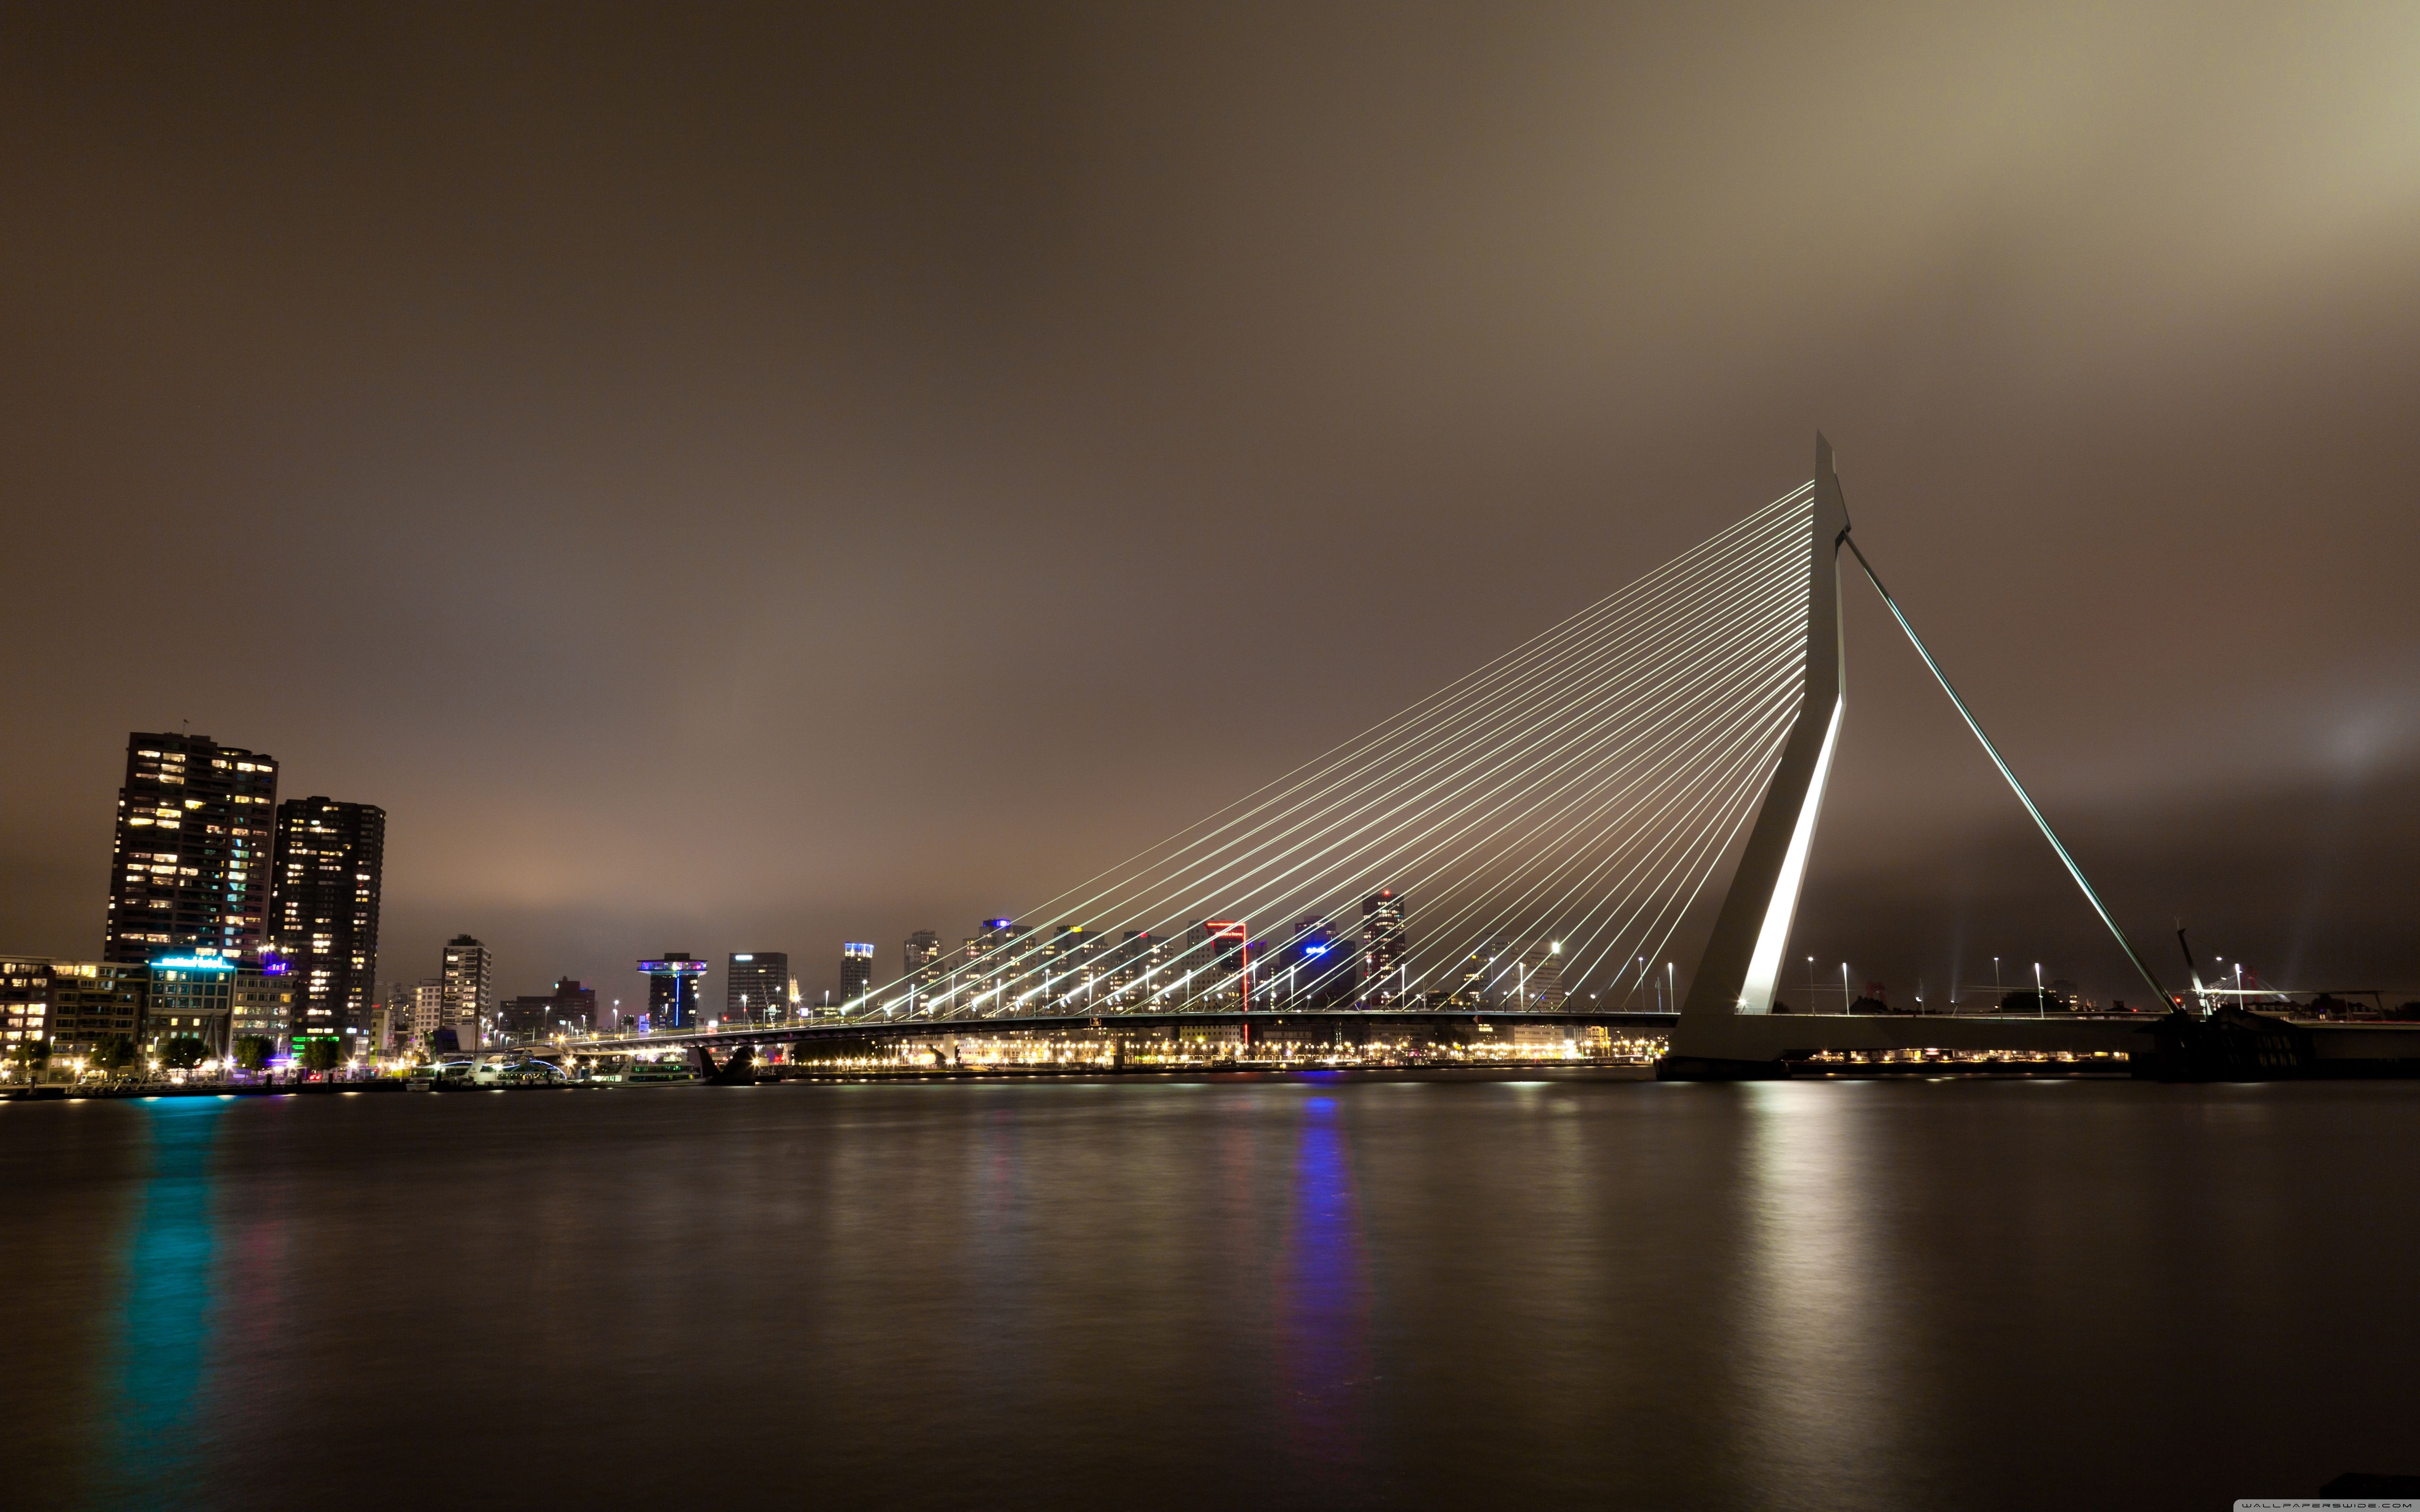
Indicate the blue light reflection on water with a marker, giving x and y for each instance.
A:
(1324, 1319)
(160, 1345)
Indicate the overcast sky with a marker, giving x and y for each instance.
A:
(747, 480)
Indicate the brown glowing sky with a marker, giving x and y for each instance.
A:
(752, 480)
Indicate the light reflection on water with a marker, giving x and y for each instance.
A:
(1278, 1293)
(1325, 1310)
(160, 1348)
(1816, 1364)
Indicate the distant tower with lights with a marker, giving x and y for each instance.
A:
(1383, 947)
(856, 971)
(672, 990)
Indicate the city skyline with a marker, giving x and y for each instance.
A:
(1020, 420)
(351, 835)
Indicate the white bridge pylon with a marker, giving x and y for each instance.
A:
(1727, 1027)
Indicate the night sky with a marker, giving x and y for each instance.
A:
(748, 480)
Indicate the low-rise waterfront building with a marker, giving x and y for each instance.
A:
(191, 998)
(262, 1001)
(93, 999)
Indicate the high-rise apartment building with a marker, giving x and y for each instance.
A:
(672, 990)
(324, 914)
(856, 972)
(1383, 947)
(467, 992)
(919, 959)
(757, 990)
(190, 872)
(995, 960)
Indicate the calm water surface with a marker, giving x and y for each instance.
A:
(1302, 1292)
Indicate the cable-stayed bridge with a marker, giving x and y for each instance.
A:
(1609, 821)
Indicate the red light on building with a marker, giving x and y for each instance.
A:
(1240, 931)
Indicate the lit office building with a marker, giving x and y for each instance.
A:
(1315, 969)
(757, 989)
(673, 981)
(324, 915)
(1383, 947)
(856, 973)
(467, 992)
(191, 998)
(189, 873)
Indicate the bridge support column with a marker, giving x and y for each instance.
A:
(1733, 986)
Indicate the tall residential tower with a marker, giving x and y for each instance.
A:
(324, 915)
(190, 872)
(467, 992)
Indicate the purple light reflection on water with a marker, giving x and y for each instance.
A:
(1324, 1319)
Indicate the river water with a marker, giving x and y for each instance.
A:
(1292, 1292)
